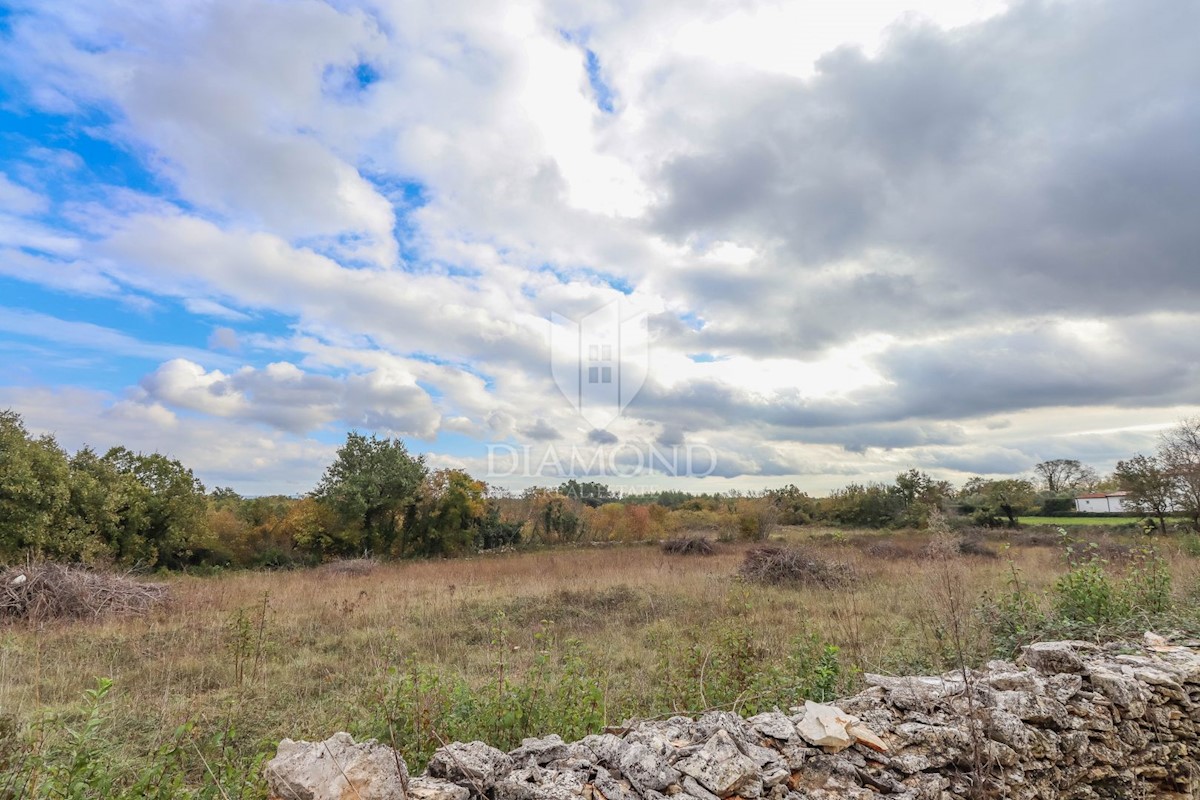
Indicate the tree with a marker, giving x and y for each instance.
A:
(169, 513)
(1066, 475)
(550, 515)
(1179, 453)
(795, 507)
(1009, 497)
(370, 485)
(1151, 486)
(591, 494)
(34, 489)
(451, 506)
(107, 512)
(873, 505)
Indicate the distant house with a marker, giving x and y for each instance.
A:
(1102, 503)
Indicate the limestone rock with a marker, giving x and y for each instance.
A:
(540, 751)
(336, 769)
(646, 769)
(426, 788)
(721, 768)
(475, 766)
(825, 725)
(1050, 658)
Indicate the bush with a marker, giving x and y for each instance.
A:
(794, 565)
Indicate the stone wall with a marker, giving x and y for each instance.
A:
(1067, 720)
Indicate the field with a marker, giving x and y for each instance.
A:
(569, 640)
(1091, 521)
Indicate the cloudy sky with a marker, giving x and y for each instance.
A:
(960, 235)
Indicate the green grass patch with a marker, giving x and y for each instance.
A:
(1068, 521)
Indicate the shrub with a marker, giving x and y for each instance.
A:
(1086, 594)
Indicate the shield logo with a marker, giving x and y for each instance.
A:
(600, 362)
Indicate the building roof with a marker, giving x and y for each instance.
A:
(1101, 495)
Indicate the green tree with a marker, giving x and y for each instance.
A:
(370, 485)
(168, 513)
(107, 513)
(1009, 497)
(592, 494)
(795, 507)
(1151, 486)
(873, 505)
(34, 489)
(450, 508)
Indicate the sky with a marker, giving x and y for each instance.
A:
(828, 241)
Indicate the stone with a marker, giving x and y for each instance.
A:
(474, 765)
(866, 737)
(606, 748)
(426, 788)
(540, 751)
(646, 770)
(336, 769)
(825, 726)
(721, 768)
(773, 724)
(1050, 658)
(1120, 717)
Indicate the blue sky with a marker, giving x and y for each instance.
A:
(863, 240)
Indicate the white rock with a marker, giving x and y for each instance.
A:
(335, 769)
(825, 726)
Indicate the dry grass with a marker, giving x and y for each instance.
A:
(350, 567)
(327, 642)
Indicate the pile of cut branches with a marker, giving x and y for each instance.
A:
(40, 591)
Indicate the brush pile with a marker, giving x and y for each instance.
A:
(41, 591)
(781, 566)
(689, 546)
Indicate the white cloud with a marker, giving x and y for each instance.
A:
(285, 397)
(17, 199)
(864, 238)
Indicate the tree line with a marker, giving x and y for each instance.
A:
(149, 511)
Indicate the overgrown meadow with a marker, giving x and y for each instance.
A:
(187, 700)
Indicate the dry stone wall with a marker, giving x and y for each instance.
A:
(1067, 720)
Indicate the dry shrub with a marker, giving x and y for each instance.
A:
(350, 567)
(40, 591)
(689, 546)
(972, 546)
(794, 565)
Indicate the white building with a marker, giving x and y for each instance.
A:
(1101, 503)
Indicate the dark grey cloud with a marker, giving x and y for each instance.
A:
(1151, 361)
(600, 436)
(540, 431)
(1044, 161)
